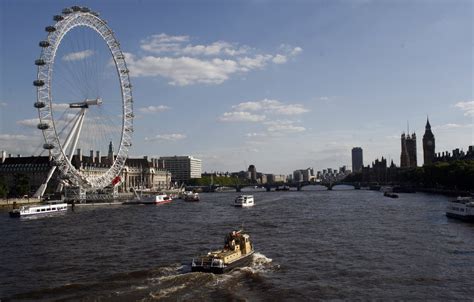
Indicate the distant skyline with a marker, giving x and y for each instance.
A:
(283, 85)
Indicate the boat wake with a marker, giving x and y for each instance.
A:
(172, 282)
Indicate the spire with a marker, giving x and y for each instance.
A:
(428, 126)
(110, 155)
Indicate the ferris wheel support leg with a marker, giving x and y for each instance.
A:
(78, 133)
(40, 192)
(75, 132)
(78, 122)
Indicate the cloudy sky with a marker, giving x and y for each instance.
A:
(279, 84)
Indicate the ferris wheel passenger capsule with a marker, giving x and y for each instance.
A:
(67, 11)
(50, 29)
(43, 126)
(85, 9)
(76, 8)
(39, 105)
(44, 44)
(40, 62)
(58, 18)
(38, 83)
(48, 146)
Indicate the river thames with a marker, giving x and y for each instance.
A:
(310, 245)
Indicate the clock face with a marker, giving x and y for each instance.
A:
(429, 143)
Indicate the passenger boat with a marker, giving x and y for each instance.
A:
(192, 197)
(237, 252)
(461, 208)
(51, 207)
(244, 201)
(156, 199)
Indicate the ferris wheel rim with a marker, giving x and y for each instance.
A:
(70, 19)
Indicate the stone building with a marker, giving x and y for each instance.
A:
(408, 154)
(139, 173)
(428, 144)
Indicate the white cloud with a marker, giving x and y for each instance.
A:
(290, 50)
(154, 109)
(32, 123)
(256, 62)
(279, 59)
(241, 116)
(283, 127)
(3, 104)
(167, 137)
(60, 107)
(183, 70)
(14, 137)
(296, 51)
(76, 56)
(173, 57)
(467, 107)
(20, 144)
(271, 107)
(214, 49)
(255, 134)
(163, 43)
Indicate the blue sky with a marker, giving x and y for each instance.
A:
(282, 85)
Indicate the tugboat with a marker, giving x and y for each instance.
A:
(237, 252)
(461, 208)
(244, 201)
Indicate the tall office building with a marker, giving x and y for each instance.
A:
(357, 159)
(408, 154)
(428, 144)
(182, 168)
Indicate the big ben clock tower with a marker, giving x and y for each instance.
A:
(428, 144)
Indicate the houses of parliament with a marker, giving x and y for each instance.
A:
(408, 158)
(381, 172)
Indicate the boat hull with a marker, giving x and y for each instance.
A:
(241, 262)
(38, 210)
(469, 218)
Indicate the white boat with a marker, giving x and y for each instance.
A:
(461, 208)
(51, 207)
(155, 199)
(244, 201)
(191, 196)
(182, 195)
(162, 198)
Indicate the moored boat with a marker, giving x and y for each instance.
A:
(237, 252)
(155, 199)
(461, 208)
(192, 197)
(50, 207)
(244, 201)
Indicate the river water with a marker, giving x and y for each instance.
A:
(310, 245)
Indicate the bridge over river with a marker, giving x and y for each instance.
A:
(298, 186)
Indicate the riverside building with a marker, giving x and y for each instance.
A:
(182, 168)
(357, 159)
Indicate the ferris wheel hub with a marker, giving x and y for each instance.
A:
(86, 103)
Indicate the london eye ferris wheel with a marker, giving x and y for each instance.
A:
(84, 97)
